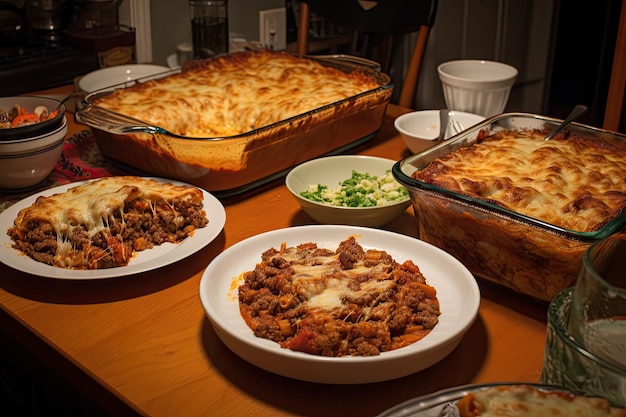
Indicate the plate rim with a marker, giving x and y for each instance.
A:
(216, 313)
(427, 402)
(201, 237)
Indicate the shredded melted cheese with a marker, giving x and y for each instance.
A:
(526, 401)
(323, 289)
(237, 93)
(92, 205)
(573, 183)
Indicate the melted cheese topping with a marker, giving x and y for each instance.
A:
(91, 204)
(102, 223)
(236, 93)
(526, 401)
(325, 285)
(344, 302)
(575, 183)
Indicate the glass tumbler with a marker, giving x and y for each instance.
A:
(209, 27)
(586, 334)
(597, 317)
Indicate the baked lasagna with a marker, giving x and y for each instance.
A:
(346, 301)
(103, 223)
(528, 401)
(236, 93)
(575, 182)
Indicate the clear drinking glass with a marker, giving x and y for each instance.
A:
(597, 317)
(209, 27)
(586, 335)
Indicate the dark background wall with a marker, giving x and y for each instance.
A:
(583, 44)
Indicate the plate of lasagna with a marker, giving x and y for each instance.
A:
(339, 304)
(108, 227)
(505, 399)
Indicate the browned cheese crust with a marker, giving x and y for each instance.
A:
(343, 302)
(236, 93)
(103, 223)
(528, 401)
(577, 183)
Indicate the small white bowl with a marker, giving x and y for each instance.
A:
(332, 171)
(477, 86)
(26, 162)
(422, 125)
(120, 74)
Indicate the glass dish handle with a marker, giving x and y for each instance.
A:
(99, 118)
(352, 59)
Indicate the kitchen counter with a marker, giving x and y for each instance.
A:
(142, 345)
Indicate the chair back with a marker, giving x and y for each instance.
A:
(386, 18)
(617, 86)
(383, 17)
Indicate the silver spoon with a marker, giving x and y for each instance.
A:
(443, 124)
(66, 98)
(573, 115)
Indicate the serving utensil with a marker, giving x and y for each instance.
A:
(457, 126)
(576, 112)
(449, 410)
(444, 119)
(66, 98)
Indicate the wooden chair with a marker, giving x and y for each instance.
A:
(387, 18)
(617, 86)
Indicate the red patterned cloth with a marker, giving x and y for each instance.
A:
(81, 160)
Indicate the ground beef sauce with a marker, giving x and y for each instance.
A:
(346, 302)
(140, 226)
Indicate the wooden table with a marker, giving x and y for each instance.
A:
(143, 345)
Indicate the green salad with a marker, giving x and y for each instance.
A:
(360, 190)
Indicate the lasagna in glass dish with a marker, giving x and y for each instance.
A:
(525, 400)
(505, 399)
(230, 123)
(515, 209)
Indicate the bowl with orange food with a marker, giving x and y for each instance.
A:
(25, 117)
(32, 134)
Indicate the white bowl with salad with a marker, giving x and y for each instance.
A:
(353, 190)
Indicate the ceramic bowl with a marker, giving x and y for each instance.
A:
(421, 125)
(26, 162)
(120, 74)
(29, 103)
(332, 171)
(477, 86)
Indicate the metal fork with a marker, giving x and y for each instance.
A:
(457, 126)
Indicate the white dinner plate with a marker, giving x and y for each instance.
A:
(146, 260)
(119, 74)
(457, 292)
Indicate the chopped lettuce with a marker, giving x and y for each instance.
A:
(360, 190)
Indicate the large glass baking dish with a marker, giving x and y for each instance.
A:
(230, 165)
(522, 253)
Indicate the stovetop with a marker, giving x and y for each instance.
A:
(46, 72)
(32, 58)
(29, 63)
